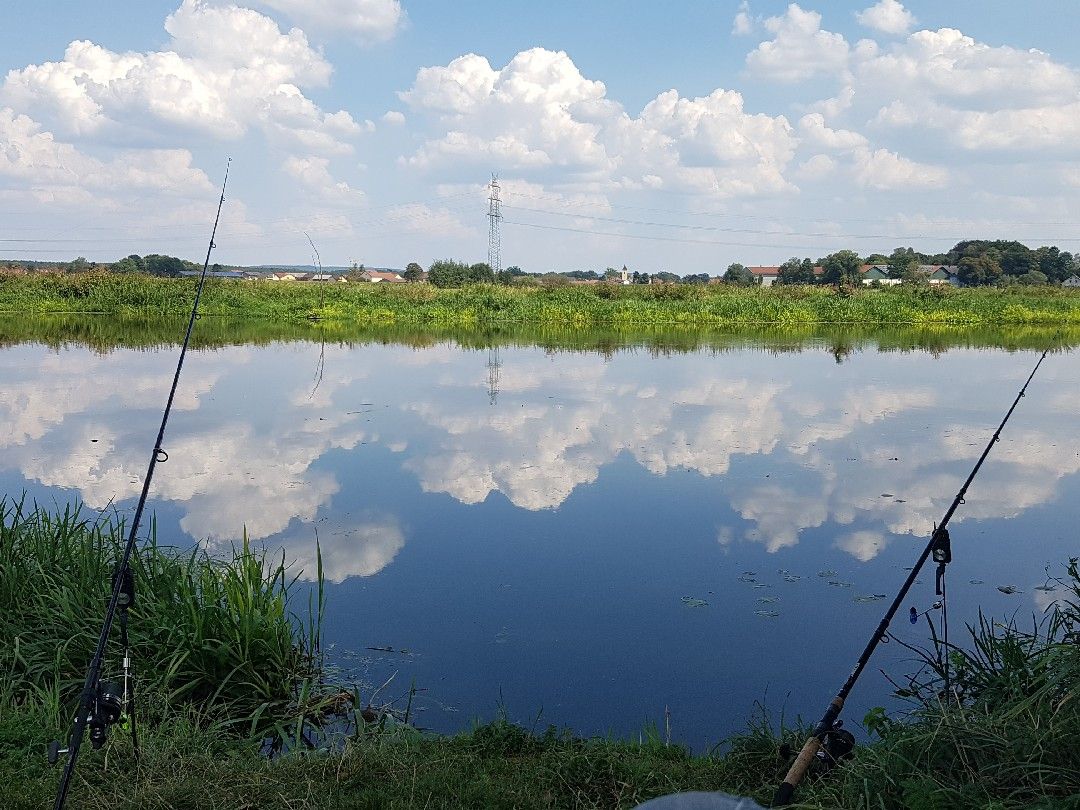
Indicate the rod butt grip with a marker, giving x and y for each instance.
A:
(784, 795)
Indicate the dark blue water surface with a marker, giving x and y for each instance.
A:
(521, 526)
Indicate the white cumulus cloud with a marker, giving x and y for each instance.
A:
(365, 20)
(743, 23)
(799, 49)
(540, 114)
(883, 170)
(313, 173)
(887, 16)
(224, 71)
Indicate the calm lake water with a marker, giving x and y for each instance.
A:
(533, 529)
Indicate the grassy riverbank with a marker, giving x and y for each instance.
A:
(1008, 741)
(576, 306)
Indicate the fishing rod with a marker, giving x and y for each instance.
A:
(101, 703)
(939, 545)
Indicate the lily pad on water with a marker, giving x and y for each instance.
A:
(976, 581)
(1009, 590)
(1047, 588)
(768, 600)
(761, 585)
(768, 614)
(826, 573)
(694, 602)
(791, 577)
(838, 584)
(870, 597)
(746, 578)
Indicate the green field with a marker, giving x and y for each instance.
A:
(227, 660)
(566, 306)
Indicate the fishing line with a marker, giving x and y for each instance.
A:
(93, 694)
(939, 546)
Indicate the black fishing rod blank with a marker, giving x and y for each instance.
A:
(101, 703)
(939, 546)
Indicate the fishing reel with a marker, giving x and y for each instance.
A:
(111, 701)
(836, 744)
(106, 710)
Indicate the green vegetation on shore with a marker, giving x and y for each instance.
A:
(216, 634)
(1007, 740)
(609, 305)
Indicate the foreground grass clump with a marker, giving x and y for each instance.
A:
(1002, 736)
(213, 633)
(576, 306)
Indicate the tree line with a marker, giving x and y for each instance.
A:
(977, 262)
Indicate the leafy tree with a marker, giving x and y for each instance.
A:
(698, 278)
(738, 274)
(796, 271)
(129, 264)
(978, 270)
(413, 272)
(481, 272)
(912, 275)
(555, 280)
(902, 263)
(158, 265)
(1034, 278)
(1055, 264)
(448, 273)
(509, 275)
(842, 268)
(1014, 258)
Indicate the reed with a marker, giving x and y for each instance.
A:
(218, 634)
(571, 306)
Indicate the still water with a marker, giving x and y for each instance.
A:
(589, 538)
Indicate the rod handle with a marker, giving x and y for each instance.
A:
(796, 772)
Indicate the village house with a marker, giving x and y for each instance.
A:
(1071, 281)
(380, 276)
(767, 276)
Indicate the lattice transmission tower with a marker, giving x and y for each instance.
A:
(494, 235)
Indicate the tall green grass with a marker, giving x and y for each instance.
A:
(574, 306)
(218, 634)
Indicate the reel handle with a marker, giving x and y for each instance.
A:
(55, 751)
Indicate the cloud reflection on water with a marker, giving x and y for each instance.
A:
(863, 445)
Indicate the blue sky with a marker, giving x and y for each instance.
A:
(674, 137)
